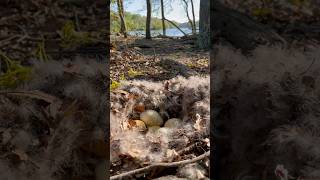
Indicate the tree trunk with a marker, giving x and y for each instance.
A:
(163, 19)
(148, 22)
(204, 24)
(123, 28)
(240, 30)
(194, 18)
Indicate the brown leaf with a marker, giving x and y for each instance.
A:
(139, 107)
(21, 154)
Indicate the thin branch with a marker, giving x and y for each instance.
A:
(302, 73)
(187, 12)
(148, 168)
(6, 41)
(189, 148)
(75, 14)
(175, 26)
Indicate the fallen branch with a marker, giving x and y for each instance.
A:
(173, 164)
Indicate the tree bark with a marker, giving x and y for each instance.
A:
(123, 28)
(148, 22)
(204, 24)
(240, 30)
(194, 18)
(163, 19)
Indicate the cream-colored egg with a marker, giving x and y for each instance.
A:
(151, 118)
(173, 123)
(153, 129)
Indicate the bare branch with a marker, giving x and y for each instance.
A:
(148, 168)
(176, 26)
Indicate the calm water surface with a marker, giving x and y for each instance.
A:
(169, 32)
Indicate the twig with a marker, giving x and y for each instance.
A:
(7, 18)
(22, 38)
(308, 67)
(154, 54)
(75, 14)
(173, 164)
(4, 42)
(189, 148)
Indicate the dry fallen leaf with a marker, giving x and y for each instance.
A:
(21, 154)
(171, 153)
(139, 107)
(137, 124)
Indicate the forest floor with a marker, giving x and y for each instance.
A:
(159, 62)
(157, 59)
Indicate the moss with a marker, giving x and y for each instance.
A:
(14, 74)
(71, 38)
(261, 12)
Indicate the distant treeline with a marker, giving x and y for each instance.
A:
(187, 25)
(135, 22)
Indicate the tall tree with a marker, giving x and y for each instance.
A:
(123, 28)
(163, 18)
(204, 24)
(148, 22)
(193, 16)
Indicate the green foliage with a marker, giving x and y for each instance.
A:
(114, 85)
(71, 38)
(41, 52)
(135, 22)
(15, 73)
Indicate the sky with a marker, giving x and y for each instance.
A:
(176, 12)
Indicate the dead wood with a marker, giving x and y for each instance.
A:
(156, 165)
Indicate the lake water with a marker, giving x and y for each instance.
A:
(169, 32)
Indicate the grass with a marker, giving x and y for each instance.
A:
(41, 52)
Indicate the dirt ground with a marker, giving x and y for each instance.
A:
(157, 59)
